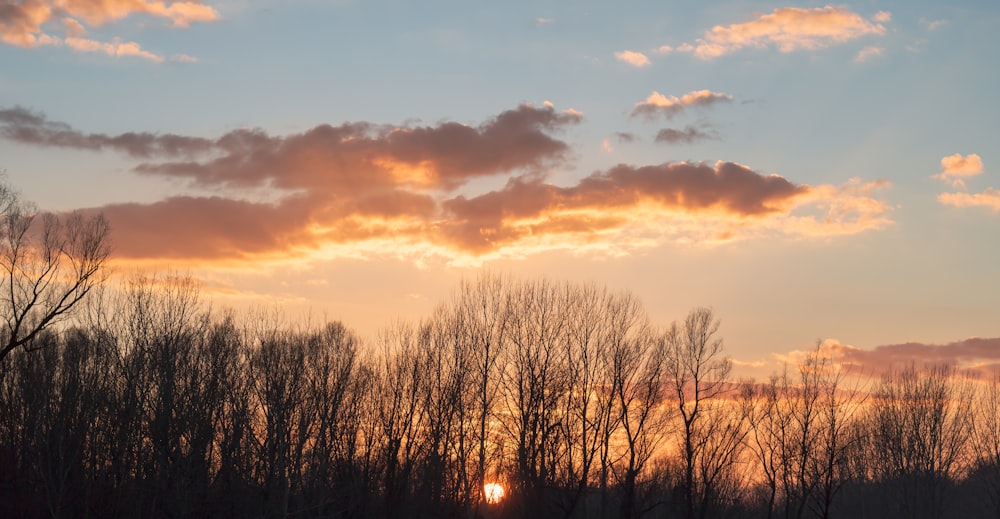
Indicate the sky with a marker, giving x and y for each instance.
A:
(811, 171)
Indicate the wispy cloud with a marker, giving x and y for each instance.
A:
(688, 135)
(933, 25)
(667, 49)
(636, 59)
(115, 48)
(27, 127)
(29, 23)
(670, 106)
(869, 53)
(626, 137)
(989, 198)
(788, 29)
(361, 189)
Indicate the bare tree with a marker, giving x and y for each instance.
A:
(839, 403)
(278, 382)
(698, 373)
(49, 263)
(482, 315)
(919, 425)
(986, 441)
(401, 386)
(770, 417)
(588, 405)
(640, 389)
(535, 383)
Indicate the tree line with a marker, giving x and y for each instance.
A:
(140, 400)
(152, 405)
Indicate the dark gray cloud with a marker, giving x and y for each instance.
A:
(626, 137)
(688, 135)
(24, 126)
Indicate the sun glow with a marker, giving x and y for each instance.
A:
(494, 493)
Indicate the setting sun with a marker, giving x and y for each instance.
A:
(494, 492)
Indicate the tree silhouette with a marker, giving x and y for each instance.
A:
(49, 263)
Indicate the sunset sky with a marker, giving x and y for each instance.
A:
(811, 171)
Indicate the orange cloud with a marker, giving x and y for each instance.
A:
(789, 29)
(973, 353)
(115, 48)
(990, 199)
(365, 190)
(956, 168)
(636, 59)
(659, 104)
(23, 24)
(629, 207)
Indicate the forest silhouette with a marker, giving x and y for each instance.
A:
(140, 400)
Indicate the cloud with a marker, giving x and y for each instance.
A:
(25, 23)
(442, 156)
(659, 104)
(789, 29)
(183, 58)
(22, 125)
(74, 29)
(970, 353)
(956, 168)
(618, 136)
(933, 25)
(540, 21)
(628, 207)
(868, 53)
(636, 59)
(207, 228)
(365, 190)
(667, 49)
(990, 199)
(115, 48)
(688, 135)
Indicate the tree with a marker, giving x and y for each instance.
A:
(711, 434)
(986, 441)
(639, 388)
(798, 435)
(482, 320)
(768, 409)
(535, 383)
(919, 426)
(49, 264)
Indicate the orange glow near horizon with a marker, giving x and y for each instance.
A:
(494, 493)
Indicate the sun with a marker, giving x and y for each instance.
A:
(494, 493)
